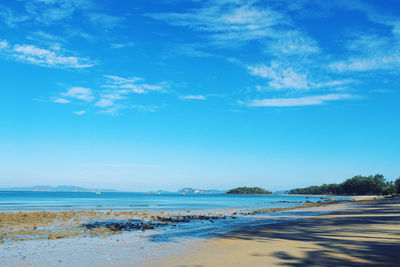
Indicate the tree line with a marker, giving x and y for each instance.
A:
(248, 190)
(358, 185)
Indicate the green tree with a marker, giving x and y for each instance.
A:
(397, 185)
(248, 190)
(390, 188)
(357, 185)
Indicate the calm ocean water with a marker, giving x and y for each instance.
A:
(141, 201)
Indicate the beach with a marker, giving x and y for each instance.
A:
(354, 233)
(362, 233)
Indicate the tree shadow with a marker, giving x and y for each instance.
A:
(348, 238)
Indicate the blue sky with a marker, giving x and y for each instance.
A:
(150, 95)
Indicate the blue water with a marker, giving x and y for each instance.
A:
(141, 201)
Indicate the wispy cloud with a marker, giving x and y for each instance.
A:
(113, 96)
(61, 100)
(52, 57)
(371, 51)
(292, 42)
(227, 22)
(299, 101)
(132, 85)
(104, 20)
(104, 102)
(120, 80)
(10, 17)
(50, 40)
(191, 51)
(49, 11)
(368, 63)
(3, 44)
(147, 108)
(81, 112)
(45, 57)
(280, 77)
(80, 93)
(332, 83)
(194, 97)
(122, 45)
(368, 52)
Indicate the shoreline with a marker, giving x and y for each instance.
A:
(24, 225)
(158, 247)
(358, 233)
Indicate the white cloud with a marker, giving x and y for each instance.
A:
(61, 100)
(369, 52)
(360, 64)
(146, 108)
(119, 80)
(150, 87)
(299, 101)
(121, 45)
(45, 57)
(50, 11)
(3, 44)
(113, 110)
(281, 77)
(52, 41)
(333, 83)
(228, 21)
(104, 102)
(133, 88)
(194, 97)
(81, 112)
(112, 99)
(10, 17)
(368, 43)
(104, 20)
(292, 42)
(116, 94)
(133, 85)
(80, 93)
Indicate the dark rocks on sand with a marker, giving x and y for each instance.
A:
(134, 224)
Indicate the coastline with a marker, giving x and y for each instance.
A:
(359, 233)
(157, 248)
(24, 225)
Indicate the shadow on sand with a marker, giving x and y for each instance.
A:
(369, 236)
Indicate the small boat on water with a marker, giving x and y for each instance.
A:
(97, 192)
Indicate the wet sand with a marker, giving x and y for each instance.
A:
(362, 233)
(34, 225)
(355, 233)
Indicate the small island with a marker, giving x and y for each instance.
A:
(248, 191)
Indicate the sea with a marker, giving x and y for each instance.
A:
(24, 200)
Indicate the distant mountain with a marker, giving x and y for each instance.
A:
(159, 192)
(60, 188)
(189, 190)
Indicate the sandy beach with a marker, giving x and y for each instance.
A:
(357, 233)
(363, 233)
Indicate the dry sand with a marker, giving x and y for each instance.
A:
(367, 233)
